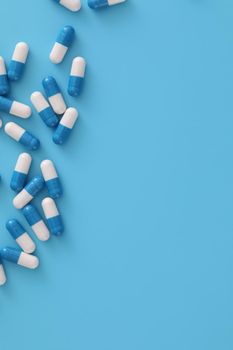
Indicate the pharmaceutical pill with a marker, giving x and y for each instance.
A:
(4, 84)
(28, 192)
(76, 76)
(22, 136)
(15, 108)
(54, 95)
(19, 176)
(44, 109)
(18, 257)
(96, 4)
(17, 64)
(2, 274)
(53, 217)
(20, 235)
(72, 5)
(36, 222)
(51, 178)
(65, 126)
(63, 42)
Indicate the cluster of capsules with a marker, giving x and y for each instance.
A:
(53, 111)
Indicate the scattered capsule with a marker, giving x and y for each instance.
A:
(36, 222)
(77, 74)
(18, 257)
(2, 274)
(96, 4)
(44, 109)
(28, 192)
(17, 64)
(53, 217)
(4, 84)
(19, 176)
(51, 178)
(22, 136)
(72, 5)
(65, 126)
(15, 108)
(23, 239)
(54, 95)
(63, 42)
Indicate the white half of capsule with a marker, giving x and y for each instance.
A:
(29, 261)
(58, 104)
(22, 199)
(78, 67)
(114, 2)
(49, 208)
(58, 53)
(20, 110)
(21, 52)
(23, 163)
(48, 170)
(2, 66)
(72, 5)
(41, 231)
(26, 243)
(14, 130)
(39, 101)
(2, 275)
(69, 118)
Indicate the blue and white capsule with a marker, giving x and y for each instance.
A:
(36, 222)
(97, 4)
(51, 178)
(18, 61)
(20, 258)
(44, 109)
(77, 74)
(63, 42)
(72, 5)
(4, 84)
(53, 217)
(20, 235)
(19, 134)
(54, 95)
(14, 108)
(20, 173)
(28, 192)
(65, 126)
(2, 274)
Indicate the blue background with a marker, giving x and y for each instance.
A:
(146, 260)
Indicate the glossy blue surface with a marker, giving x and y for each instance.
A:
(29, 141)
(96, 4)
(54, 188)
(4, 85)
(61, 134)
(75, 85)
(35, 185)
(5, 104)
(15, 70)
(15, 228)
(55, 225)
(18, 181)
(10, 254)
(66, 36)
(50, 86)
(31, 214)
(49, 117)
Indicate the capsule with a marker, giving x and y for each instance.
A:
(44, 109)
(4, 84)
(28, 192)
(96, 4)
(19, 176)
(20, 235)
(2, 274)
(51, 178)
(17, 64)
(63, 42)
(54, 95)
(20, 258)
(36, 222)
(14, 108)
(65, 126)
(22, 136)
(77, 74)
(72, 5)
(53, 217)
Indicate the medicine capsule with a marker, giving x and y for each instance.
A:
(18, 257)
(36, 222)
(53, 217)
(4, 84)
(44, 109)
(76, 76)
(17, 64)
(29, 192)
(65, 126)
(54, 95)
(15, 108)
(51, 178)
(96, 4)
(63, 42)
(21, 171)
(72, 5)
(2, 274)
(22, 136)
(23, 239)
